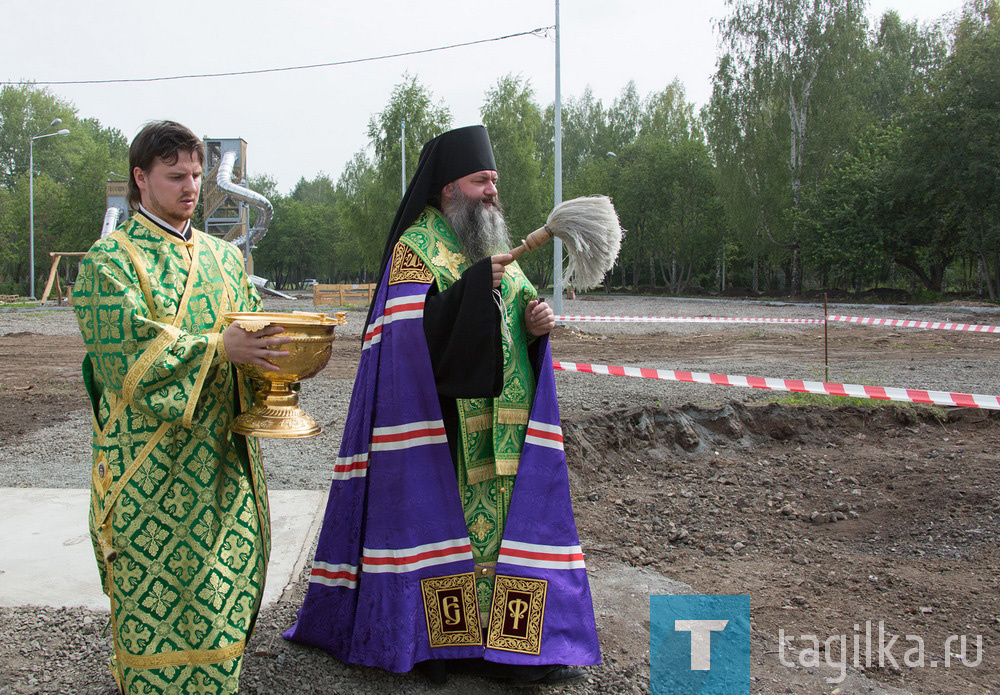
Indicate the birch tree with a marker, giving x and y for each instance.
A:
(784, 63)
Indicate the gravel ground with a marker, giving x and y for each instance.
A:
(59, 457)
(53, 650)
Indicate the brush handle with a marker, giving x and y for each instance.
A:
(532, 241)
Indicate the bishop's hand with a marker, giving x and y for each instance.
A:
(500, 263)
(539, 318)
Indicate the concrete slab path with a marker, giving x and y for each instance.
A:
(46, 558)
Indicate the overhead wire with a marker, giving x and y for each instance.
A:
(539, 32)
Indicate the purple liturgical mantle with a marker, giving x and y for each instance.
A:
(394, 516)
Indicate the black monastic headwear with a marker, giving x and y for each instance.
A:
(444, 159)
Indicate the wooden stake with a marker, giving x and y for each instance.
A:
(826, 343)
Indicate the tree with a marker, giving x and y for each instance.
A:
(371, 187)
(782, 107)
(514, 122)
(903, 57)
(663, 185)
(70, 177)
(950, 173)
(852, 219)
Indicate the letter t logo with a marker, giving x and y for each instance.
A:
(701, 640)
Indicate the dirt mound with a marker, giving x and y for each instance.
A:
(828, 517)
(702, 431)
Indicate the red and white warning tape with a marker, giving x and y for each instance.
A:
(676, 319)
(859, 320)
(975, 328)
(884, 393)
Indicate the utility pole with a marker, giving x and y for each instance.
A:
(557, 266)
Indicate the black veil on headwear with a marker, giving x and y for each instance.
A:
(447, 157)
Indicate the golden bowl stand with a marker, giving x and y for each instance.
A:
(276, 412)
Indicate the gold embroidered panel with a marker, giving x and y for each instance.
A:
(407, 267)
(517, 615)
(452, 611)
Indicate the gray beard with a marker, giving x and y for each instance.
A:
(481, 229)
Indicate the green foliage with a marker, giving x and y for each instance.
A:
(373, 188)
(665, 189)
(335, 232)
(69, 185)
(304, 235)
(782, 108)
(849, 228)
(951, 167)
(514, 122)
(921, 187)
(831, 152)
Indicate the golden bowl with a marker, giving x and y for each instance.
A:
(276, 411)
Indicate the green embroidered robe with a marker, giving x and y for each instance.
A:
(491, 430)
(179, 514)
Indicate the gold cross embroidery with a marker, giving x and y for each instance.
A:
(481, 527)
(448, 259)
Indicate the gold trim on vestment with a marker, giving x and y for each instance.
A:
(512, 416)
(112, 497)
(182, 303)
(187, 657)
(222, 274)
(107, 554)
(101, 476)
(517, 615)
(479, 423)
(220, 349)
(406, 266)
(452, 610)
(199, 382)
(216, 346)
(149, 355)
(182, 307)
(140, 272)
(117, 407)
(507, 466)
(480, 473)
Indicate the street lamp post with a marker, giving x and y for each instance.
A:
(31, 195)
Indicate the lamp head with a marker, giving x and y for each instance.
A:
(55, 122)
(64, 131)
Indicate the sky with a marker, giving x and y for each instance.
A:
(306, 122)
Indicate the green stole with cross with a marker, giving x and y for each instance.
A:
(492, 430)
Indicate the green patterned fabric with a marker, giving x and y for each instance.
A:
(179, 516)
(492, 429)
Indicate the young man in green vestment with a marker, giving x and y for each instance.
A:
(179, 512)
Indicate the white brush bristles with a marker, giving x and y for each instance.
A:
(590, 229)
